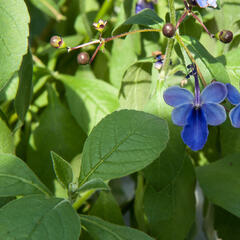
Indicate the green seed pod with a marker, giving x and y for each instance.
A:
(168, 30)
(83, 58)
(57, 42)
(224, 36)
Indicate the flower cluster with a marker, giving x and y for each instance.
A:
(195, 112)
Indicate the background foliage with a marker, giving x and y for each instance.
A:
(89, 151)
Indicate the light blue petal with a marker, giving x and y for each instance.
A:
(215, 92)
(202, 3)
(176, 96)
(234, 116)
(195, 133)
(212, 3)
(215, 113)
(180, 114)
(233, 94)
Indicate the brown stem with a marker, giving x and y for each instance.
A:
(128, 33)
(205, 28)
(95, 53)
(182, 18)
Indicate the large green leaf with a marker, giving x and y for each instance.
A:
(56, 131)
(124, 51)
(37, 217)
(209, 66)
(24, 92)
(14, 32)
(122, 143)
(147, 17)
(135, 90)
(220, 182)
(100, 230)
(6, 139)
(170, 209)
(16, 178)
(89, 99)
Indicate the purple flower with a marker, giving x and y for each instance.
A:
(195, 113)
(234, 98)
(142, 4)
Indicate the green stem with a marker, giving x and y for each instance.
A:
(170, 44)
(104, 9)
(181, 43)
(83, 199)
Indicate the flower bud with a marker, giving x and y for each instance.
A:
(57, 42)
(224, 36)
(168, 30)
(83, 58)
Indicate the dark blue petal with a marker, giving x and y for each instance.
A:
(142, 4)
(233, 94)
(180, 114)
(195, 133)
(234, 116)
(215, 113)
(176, 96)
(215, 92)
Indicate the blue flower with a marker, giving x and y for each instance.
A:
(234, 98)
(142, 4)
(195, 113)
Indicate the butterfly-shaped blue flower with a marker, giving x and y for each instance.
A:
(206, 3)
(234, 98)
(195, 113)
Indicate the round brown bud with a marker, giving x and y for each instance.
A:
(225, 36)
(57, 42)
(83, 58)
(168, 30)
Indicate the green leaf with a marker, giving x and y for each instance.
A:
(170, 205)
(122, 143)
(124, 51)
(135, 90)
(14, 18)
(62, 169)
(233, 66)
(209, 66)
(220, 182)
(124, 54)
(226, 224)
(50, 8)
(147, 17)
(95, 183)
(39, 217)
(16, 178)
(6, 139)
(24, 93)
(230, 138)
(100, 229)
(89, 100)
(56, 131)
(107, 208)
